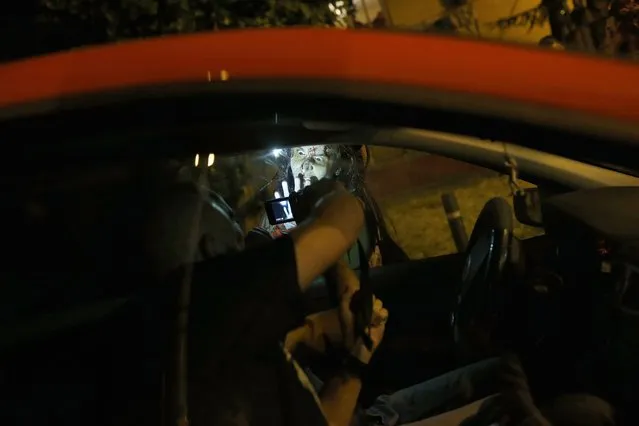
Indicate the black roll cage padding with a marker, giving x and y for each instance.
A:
(180, 118)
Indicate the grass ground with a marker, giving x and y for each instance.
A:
(418, 220)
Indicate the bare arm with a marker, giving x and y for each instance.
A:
(339, 394)
(316, 330)
(339, 398)
(322, 240)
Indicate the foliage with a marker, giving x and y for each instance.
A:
(627, 12)
(108, 20)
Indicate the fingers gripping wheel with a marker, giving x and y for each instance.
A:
(479, 293)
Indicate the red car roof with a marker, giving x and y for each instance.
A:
(530, 75)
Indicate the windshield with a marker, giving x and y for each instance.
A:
(409, 190)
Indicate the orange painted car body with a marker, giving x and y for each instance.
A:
(531, 75)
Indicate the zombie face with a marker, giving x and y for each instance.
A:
(310, 162)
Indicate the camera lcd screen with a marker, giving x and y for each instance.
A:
(279, 211)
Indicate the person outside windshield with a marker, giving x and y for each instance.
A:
(304, 165)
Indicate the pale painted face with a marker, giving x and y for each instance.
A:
(310, 162)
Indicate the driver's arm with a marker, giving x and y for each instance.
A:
(340, 393)
(323, 239)
(338, 396)
(249, 299)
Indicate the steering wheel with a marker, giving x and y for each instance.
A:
(479, 294)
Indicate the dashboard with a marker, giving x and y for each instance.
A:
(595, 236)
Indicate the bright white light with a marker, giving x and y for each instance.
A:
(197, 160)
(277, 152)
(285, 188)
(277, 195)
(211, 160)
(287, 209)
(338, 8)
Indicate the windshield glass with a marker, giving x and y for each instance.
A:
(405, 187)
(87, 218)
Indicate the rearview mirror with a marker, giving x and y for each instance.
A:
(527, 206)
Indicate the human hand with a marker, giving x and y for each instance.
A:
(321, 332)
(348, 285)
(336, 327)
(325, 329)
(283, 191)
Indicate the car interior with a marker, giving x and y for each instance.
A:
(567, 300)
(560, 297)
